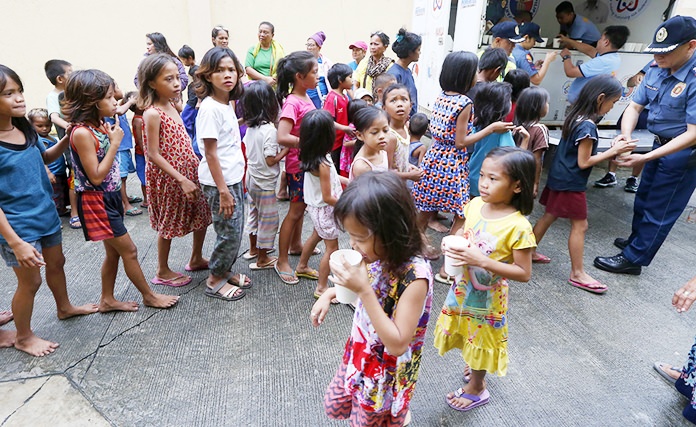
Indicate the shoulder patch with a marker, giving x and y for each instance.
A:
(678, 89)
(531, 60)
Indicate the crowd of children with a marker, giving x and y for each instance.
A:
(358, 164)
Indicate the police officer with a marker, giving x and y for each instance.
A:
(669, 178)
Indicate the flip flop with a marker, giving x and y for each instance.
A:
(134, 212)
(316, 251)
(593, 287)
(227, 296)
(134, 199)
(445, 280)
(286, 273)
(658, 367)
(188, 268)
(176, 282)
(248, 256)
(317, 295)
(541, 259)
(476, 401)
(311, 275)
(268, 265)
(241, 282)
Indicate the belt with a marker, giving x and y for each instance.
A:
(662, 140)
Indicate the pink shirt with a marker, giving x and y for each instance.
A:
(295, 108)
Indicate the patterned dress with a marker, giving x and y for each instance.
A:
(474, 315)
(172, 214)
(445, 184)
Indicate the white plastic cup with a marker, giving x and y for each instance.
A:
(343, 294)
(556, 43)
(454, 243)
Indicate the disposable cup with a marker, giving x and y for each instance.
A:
(454, 243)
(556, 43)
(343, 294)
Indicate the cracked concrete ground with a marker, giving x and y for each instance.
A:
(576, 359)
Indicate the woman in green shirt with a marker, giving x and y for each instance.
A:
(262, 59)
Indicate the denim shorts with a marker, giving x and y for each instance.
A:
(126, 165)
(44, 242)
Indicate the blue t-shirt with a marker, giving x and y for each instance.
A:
(405, 77)
(353, 65)
(127, 141)
(671, 98)
(565, 174)
(524, 60)
(481, 150)
(582, 29)
(57, 167)
(607, 63)
(29, 208)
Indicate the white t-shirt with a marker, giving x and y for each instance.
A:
(262, 142)
(312, 186)
(218, 121)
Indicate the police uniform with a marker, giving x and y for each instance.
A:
(506, 30)
(582, 29)
(669, 181)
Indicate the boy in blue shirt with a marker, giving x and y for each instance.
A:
(575, 26)
(56, 170)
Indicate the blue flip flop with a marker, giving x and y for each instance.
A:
(476, 401)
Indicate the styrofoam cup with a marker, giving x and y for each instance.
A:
(343, 294)
(454, 243)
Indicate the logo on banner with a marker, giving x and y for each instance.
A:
(437, 5)
(514, 7)
(625, 10)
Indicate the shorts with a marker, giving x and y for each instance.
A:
(101, 215)
(295, 186)
(564, 204)
(44, 242)
(140, 168)
(324, 222)
(125, 161)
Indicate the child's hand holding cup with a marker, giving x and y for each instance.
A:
(354, 258)
(453, 243)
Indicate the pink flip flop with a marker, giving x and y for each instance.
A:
(541, 259)
(594, 287)
(176, 282)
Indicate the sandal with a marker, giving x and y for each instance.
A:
(316, 251)
(75, 222)
(445, 280)
(241, 281)
(280, 274)
(540, 258)
(311, 274)
(134, 199)
(233, 294)
(134, 212)
(594, 287)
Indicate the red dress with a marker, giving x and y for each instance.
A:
(172, 214)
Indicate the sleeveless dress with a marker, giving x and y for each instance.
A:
(375, 168)
(172, 214)
(402, 152)
(445, 183)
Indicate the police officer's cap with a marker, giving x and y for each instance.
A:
(673, 33)
(507, 30)
(532, 30)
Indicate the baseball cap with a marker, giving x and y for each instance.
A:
(673, 33)
(359, 93)
(359, 45)
(507, 30)
(532, 30)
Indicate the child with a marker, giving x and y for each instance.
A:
(57, 72)
(532, 105)
(57, 170)
(322, 186)
(397, 104)
(336, 103)
(299, 72)
(417, 126)
(375, 382)
(222, 167)
(365, 95)
(564, 195)
(371, 132)
(177, 206)
(188, 115)
(491, 63)
(380, 83)
(492, 104)
(139, 148)
(89, 98)
(519, 80)
(30, 235)
(263, 162)
(474, 315)
(347, 151)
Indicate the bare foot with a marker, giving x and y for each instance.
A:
(7, 338)
(463, 402)
(79, 310)
(160, 301)
(437, 226)
(197, 265)
(116, 305)
(5, 317)
(36, 346)
(582, 277)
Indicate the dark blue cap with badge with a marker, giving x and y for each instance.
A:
(507, 30)
(673, 33)
(532, 30)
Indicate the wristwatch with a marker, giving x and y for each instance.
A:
(565, 57)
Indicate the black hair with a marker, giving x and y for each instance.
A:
(6, 73)
(520, 166)
(127, 95)
(55, 68)
(260, 104)
(83, 91)
(585, 107)
(492, 103)
(160, 43)
(217, 29)
(565, 7)
(187, 52)
(381, 202)
(355, 105)
(393, 87)
(269, 25)
(337, 74)
(458, 72)
(317, 136)
(383, 37)
(617, 35)
(379, 81)
(300, 62)
(362, 121)
(492, 58)
(209, 65)
(405, 43)
(519, 80)
(418, 124)
(530, 106)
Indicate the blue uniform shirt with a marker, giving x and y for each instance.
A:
(607, 63)
(671, 98)
(524, 60)
(582, 29)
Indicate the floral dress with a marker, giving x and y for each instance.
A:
(172, 214)
(445, 183)
(474, 315)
